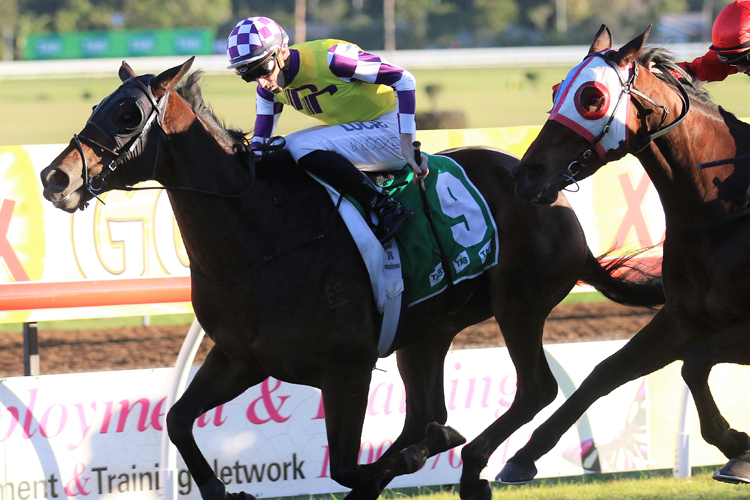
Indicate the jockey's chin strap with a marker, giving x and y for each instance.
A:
(628, 88)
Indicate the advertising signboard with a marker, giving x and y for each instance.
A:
(125, 43)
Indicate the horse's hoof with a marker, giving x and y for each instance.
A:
(240, 496)
(516, 474)
(483, 491)
(735, 472)
(214, 489)
(444, 436)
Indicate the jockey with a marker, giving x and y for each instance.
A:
(730, 52)
(366, 104)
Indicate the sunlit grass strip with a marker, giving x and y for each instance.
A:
(647, 485)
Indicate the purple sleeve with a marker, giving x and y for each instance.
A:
(349, 62)
(267, 111)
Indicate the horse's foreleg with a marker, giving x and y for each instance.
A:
(730, 346)
(344, 391)
(218, 381)
(654, 347)
(536, 388)
(421, 369)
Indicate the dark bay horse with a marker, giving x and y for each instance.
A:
(672, 127)
(280, 287)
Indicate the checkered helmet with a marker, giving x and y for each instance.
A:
(253, 39)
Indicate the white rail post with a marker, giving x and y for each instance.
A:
(168, 469)
(682, 449)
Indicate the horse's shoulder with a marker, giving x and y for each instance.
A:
(288, 180)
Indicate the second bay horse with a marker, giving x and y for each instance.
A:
(671, 126)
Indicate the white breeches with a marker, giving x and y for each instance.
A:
(373, 146)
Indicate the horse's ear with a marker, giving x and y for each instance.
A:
(126, 72)
(169, 79)
(630, 50)
(602, 40)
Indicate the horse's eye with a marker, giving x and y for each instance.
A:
(127, 117)
(592, 100)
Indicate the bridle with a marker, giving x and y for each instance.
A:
(97, 184)
(627, 88)
(132, 139)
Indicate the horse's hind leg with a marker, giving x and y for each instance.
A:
(536, 388)
(654, 347)
(218, 381)
(730, 346)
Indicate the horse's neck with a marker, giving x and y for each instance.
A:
(220, 232)
(687, 194)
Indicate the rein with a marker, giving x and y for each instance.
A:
(627, 88)
(708, 224)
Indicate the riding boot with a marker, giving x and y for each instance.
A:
(391, 214)
(343, 176)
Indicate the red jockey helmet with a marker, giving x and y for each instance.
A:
(731, 31)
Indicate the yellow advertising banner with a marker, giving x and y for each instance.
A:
(131, 235)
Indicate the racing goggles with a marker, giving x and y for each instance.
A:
(735, 59)
(252, 71)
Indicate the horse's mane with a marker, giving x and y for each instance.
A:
(659, 55)
(190, 91)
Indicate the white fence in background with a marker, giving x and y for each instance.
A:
(412, 59)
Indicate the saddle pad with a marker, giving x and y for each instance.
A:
(463, 224)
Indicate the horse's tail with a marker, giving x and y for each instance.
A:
(625, 281)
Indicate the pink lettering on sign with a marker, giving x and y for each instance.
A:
(75, 487)
(271, 409)
(205, 419)
(125, 409)
(84, 423)
(29, 415)
(45, 425)
(382, 400)
(326, 459)
(12, 263)
(12, 413)
(634, 216)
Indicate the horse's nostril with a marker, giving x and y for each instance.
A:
(56, 178)
(532, 170)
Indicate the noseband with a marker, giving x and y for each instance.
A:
(627, 88)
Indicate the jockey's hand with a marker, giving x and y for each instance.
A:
(407, 151)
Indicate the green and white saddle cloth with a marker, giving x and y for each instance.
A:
(464, 227)
(463, 223)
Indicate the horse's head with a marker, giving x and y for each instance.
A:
(598, 116)
(125, 129)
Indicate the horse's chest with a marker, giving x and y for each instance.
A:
(710, 281)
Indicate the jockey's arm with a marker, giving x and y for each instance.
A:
(267, 112)
(407, 151)
(708, 68)
(372, 69)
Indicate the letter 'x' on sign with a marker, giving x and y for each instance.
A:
(634, 216)
(6, 250)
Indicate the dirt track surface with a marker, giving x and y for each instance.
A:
(67, 351)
